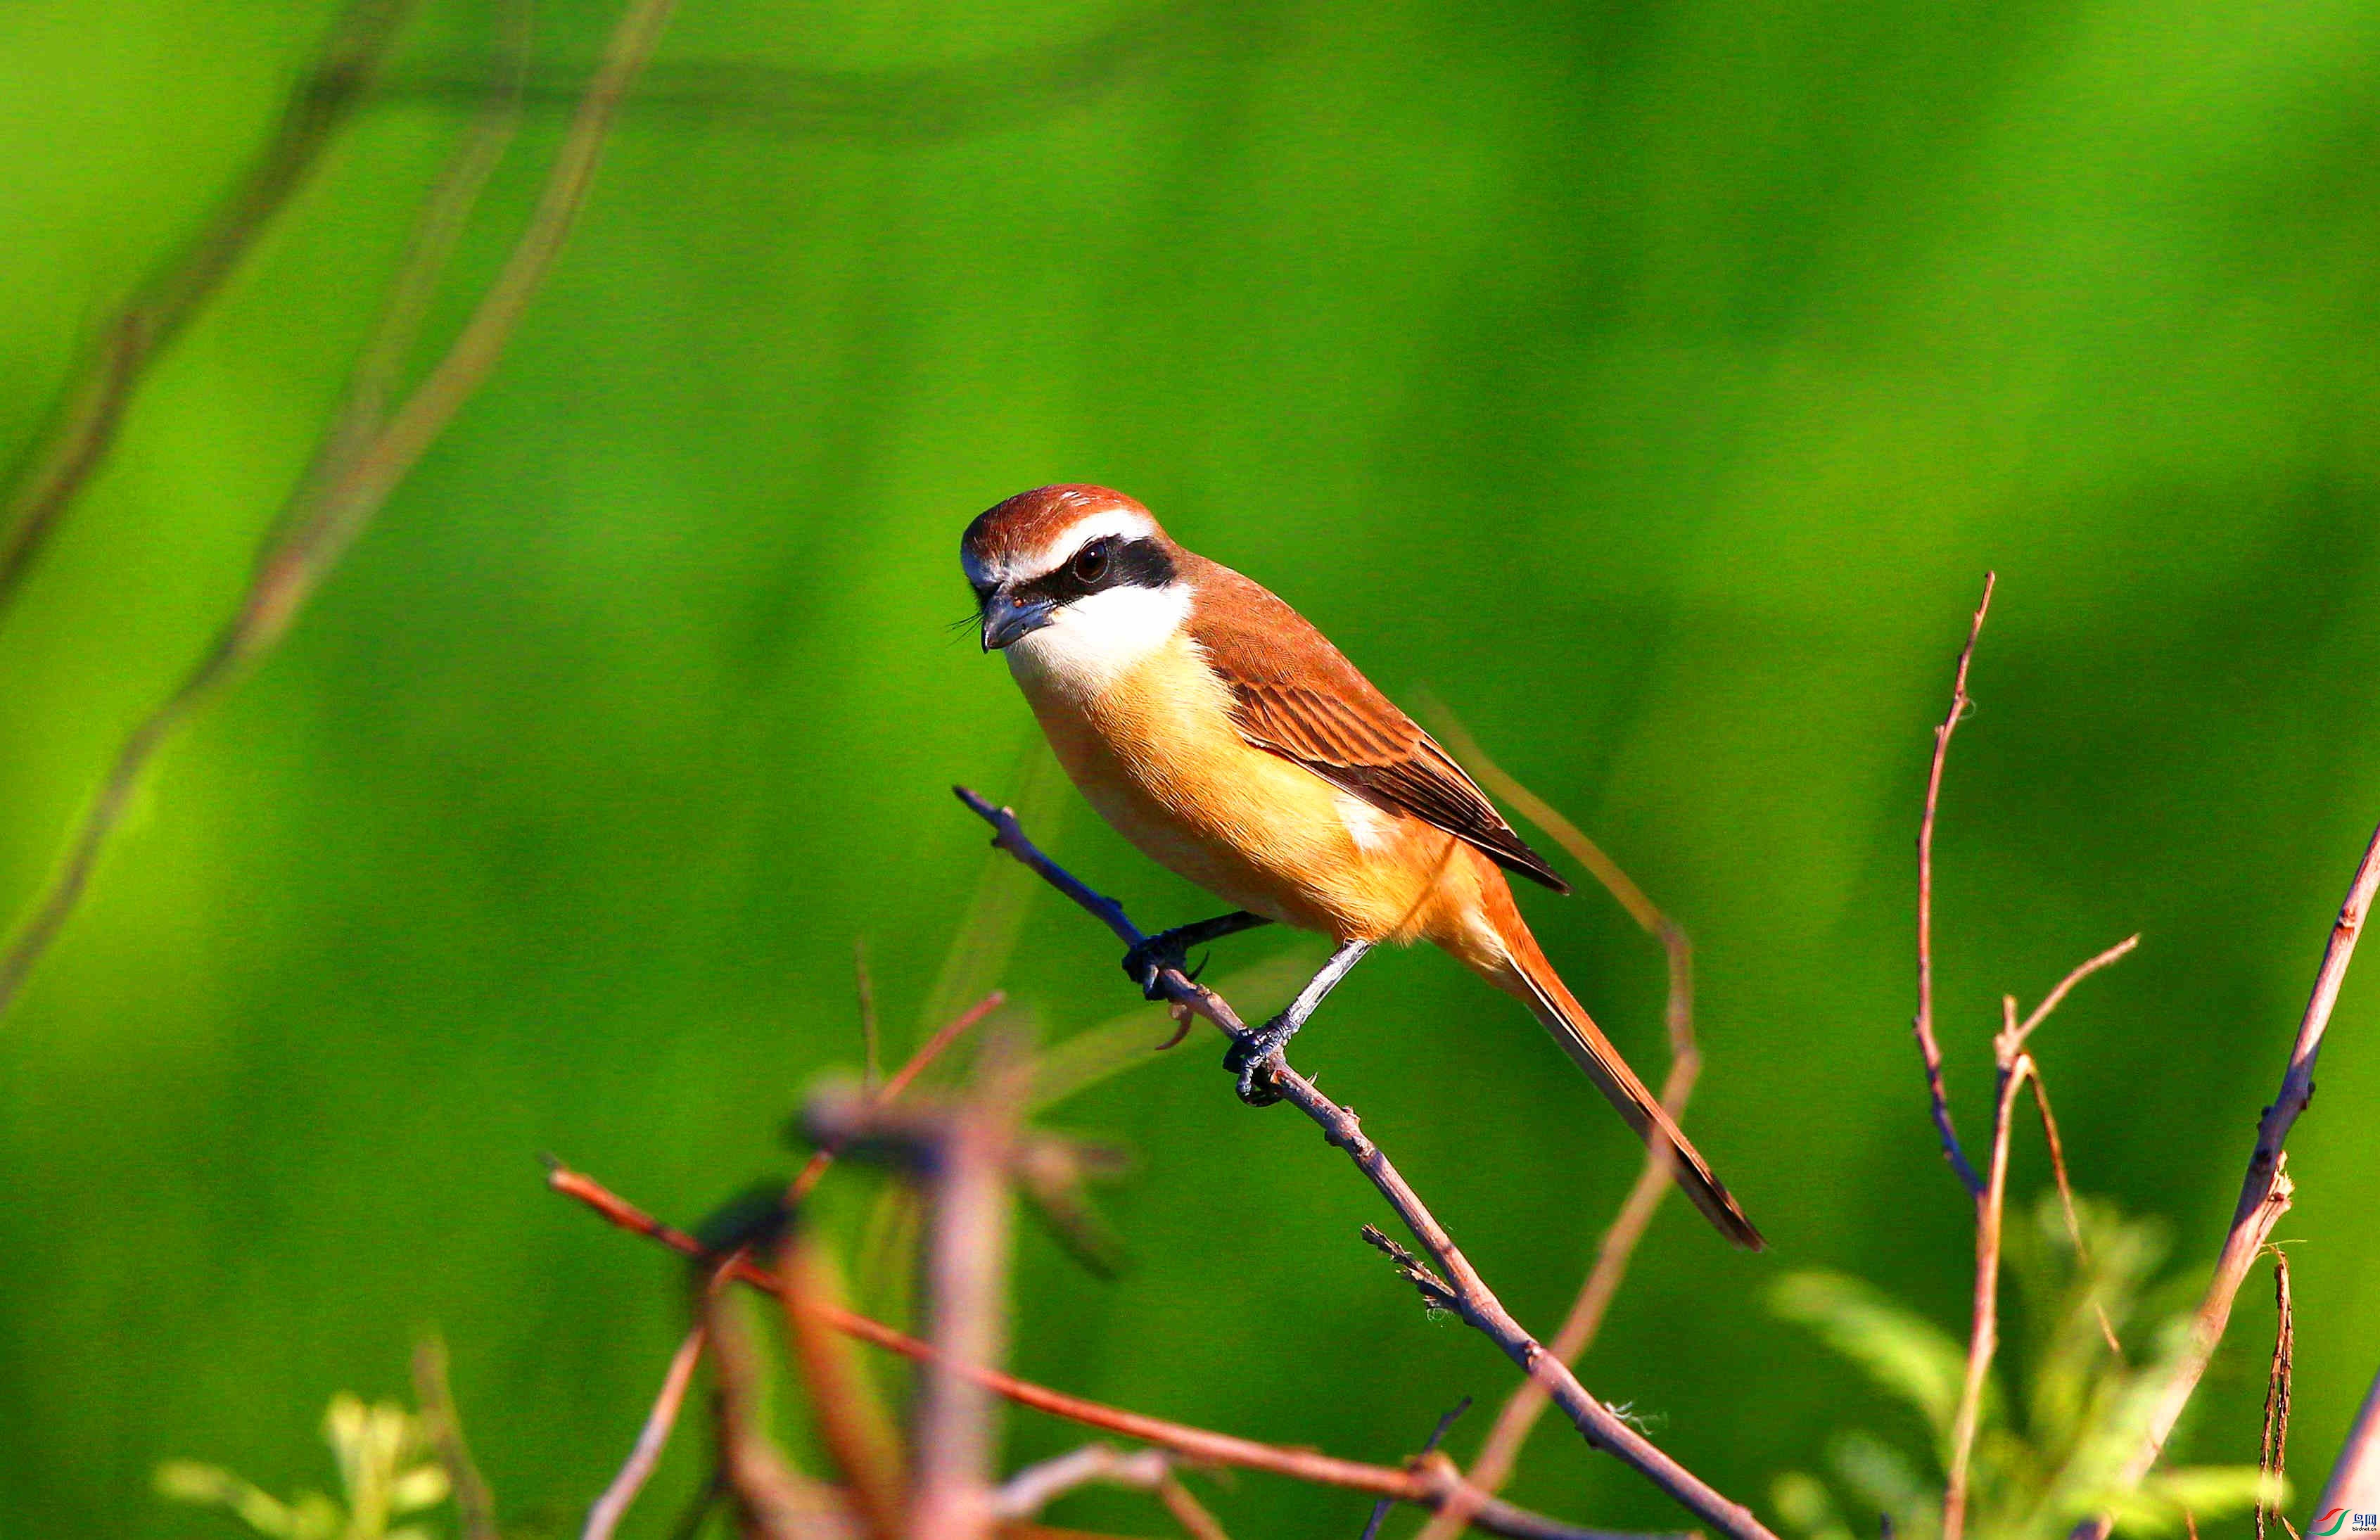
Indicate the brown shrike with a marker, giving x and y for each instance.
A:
(1223, 736)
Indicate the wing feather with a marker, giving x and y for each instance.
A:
(1296, 696)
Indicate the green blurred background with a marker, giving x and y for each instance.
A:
(1653, 379)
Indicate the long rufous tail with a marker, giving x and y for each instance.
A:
(1527, 974)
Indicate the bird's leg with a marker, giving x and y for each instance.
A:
(1251, 1057)
(1170, 949)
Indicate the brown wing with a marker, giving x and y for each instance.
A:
(1298, 697)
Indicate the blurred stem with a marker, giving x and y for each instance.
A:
(355, 471)
(1518, 1418)
(342, 72)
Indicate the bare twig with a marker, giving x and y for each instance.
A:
(341, 73)
(604, 1516)
(337, 500)
(2081, 971)
(2265, 1190)
(1425, 1488)
(1478, 1304)
(1928, 1048)
(2272, 1450)
(1518, 1417)
(2057, 1147)
(902, 1078)
(475, 1507)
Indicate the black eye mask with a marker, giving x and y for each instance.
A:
(1110, 561)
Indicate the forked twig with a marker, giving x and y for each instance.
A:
(1476, 1304)
(1422, 1488)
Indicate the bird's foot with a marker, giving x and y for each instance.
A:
(1167, 949)
(1255, 1057)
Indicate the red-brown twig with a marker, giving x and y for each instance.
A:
(1475, 1303)
(1928, 1048)
(2272, 1450)
(2265, 1190)
(1420, 1488)
(604, 1516)
(1500, 1451)
(357, 472)
(902, 1078)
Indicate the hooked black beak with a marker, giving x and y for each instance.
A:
(1005, 619)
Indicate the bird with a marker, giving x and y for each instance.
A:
(1227, 739)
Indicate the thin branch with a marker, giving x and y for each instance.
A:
(475, 1507)
(1928, 1049)
(1422, 1490)
(2065, 986)
(1478, 1304)
(604, 1516)
(342, 72)
(338, 500)
(2272, 1450)
(2265, 1190)
(1501, 1450)
(902, 1078)
(2057, 1147)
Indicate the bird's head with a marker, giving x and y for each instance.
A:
(1073, 582)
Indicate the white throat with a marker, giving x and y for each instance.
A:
(1096, 640)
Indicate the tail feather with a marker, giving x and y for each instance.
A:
(1563, 1016)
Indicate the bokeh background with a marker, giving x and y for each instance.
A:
(1653, 379)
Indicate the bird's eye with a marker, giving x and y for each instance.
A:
(1091, 562)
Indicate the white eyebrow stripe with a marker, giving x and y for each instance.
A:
(1051, 557)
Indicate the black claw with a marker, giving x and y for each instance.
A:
(1201, 967)
(1250, 1058)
